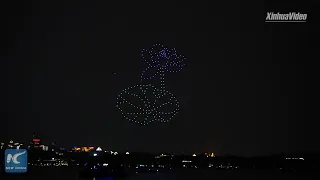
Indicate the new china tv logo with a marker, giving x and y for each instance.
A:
(16, 160)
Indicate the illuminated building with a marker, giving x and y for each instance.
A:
(18, 145)
(14, 145)
(10, 145)
(35, 143)
(87, 149)
(44, 148)
(53, 146)
(83, 149)
(187, 164)
(114, 153)
(209, 154)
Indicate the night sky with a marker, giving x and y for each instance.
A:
(242, 91)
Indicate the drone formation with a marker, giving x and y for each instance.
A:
(147, 103)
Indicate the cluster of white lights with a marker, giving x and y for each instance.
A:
(296, 158)
(152, 100)
(149, 111)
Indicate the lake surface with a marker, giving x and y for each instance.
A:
(189, 174)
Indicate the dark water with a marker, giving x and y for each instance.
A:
(72, 174)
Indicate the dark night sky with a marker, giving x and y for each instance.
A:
(242, 91)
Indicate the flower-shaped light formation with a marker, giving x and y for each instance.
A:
(144, 104)
(161, 60)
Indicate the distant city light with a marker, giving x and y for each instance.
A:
(127, 153)
(99, 149)
(194, 155)
(95, 154)
(296, 158)
(185, 161)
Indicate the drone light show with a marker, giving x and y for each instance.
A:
(146, 103)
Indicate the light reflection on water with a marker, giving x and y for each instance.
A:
(106, 178)
(72, 174)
